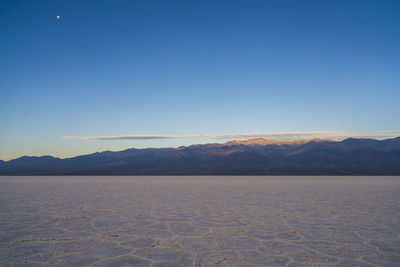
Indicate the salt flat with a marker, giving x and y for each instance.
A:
(186, 221)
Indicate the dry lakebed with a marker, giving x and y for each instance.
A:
(199, 221)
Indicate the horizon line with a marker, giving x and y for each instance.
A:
(384, 137)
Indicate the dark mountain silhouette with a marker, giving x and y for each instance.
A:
(251, 157)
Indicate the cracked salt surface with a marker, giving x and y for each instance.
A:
(199, 221)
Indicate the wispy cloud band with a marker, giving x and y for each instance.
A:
(287, 136)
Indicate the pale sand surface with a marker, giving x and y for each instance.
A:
(200, 221)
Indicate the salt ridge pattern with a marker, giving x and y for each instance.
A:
(200, 221)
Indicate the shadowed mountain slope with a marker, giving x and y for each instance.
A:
(250, 157)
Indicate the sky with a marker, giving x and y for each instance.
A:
(180, 69)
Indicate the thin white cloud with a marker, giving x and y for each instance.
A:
(286, 136)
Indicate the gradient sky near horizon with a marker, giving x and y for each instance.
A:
(106, 68)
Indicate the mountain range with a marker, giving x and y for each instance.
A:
(241, 157)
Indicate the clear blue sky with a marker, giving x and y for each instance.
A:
(192, 67)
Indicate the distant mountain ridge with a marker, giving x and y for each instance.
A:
(265, 142)
(240, 157)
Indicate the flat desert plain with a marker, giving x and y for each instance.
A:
(199, 221)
